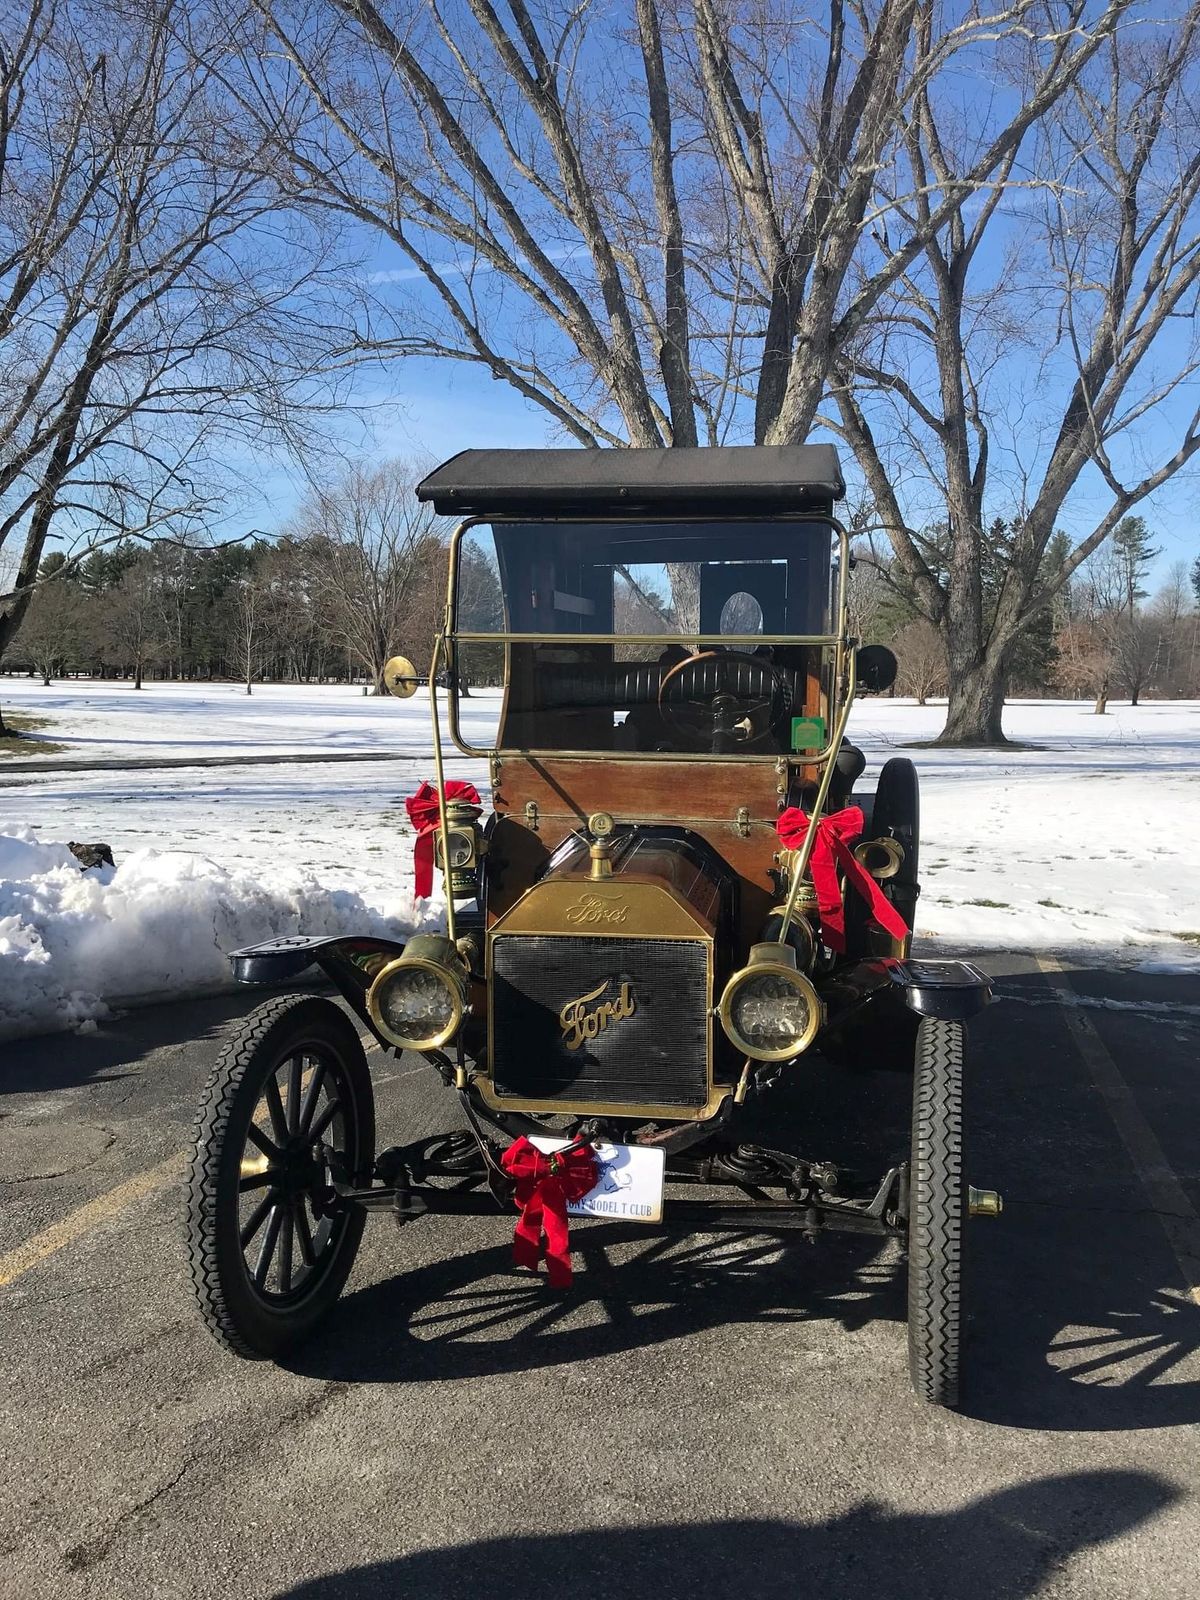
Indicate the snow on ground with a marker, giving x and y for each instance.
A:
(1086, 841)
(1082, 845)
(220, 719)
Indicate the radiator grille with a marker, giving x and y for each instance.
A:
(656, 1055)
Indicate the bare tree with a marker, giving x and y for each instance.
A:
(1094, 288)
(54, 630)
(921, 658)
(1122, 648)
(131, 612)
(378, 564)
(1081, 665)
(641, 217)
(249, 613)
(1169, 616)
(156, 305)
(869, 597)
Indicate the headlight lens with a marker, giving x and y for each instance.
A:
(417, 1001)
(769, 1009)
(769, 1013)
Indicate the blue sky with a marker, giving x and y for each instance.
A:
(428, 409)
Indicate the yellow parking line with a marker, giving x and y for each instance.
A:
(102, 1209)
(1175, 1211)
(88, 1216)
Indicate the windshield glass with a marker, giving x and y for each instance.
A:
(747, 583)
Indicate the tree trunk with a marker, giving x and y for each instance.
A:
(1102, 699)
(5, 731)
(976, 705)
(137, 673)
(1133, 698)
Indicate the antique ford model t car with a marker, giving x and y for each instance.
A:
(676, 900)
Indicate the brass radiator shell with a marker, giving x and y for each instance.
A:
(621, 911)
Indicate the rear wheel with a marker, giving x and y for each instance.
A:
(289, 1098)
(937, 1214)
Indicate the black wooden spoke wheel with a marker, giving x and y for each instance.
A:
(288, 1100)
(937, 1214)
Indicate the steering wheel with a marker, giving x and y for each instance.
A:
(722, 700)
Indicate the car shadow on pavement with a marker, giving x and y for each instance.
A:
(471, 1314)
(1002, 1546)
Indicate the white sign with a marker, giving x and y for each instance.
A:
(629, 1187)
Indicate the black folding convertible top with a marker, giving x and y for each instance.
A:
(754, 480)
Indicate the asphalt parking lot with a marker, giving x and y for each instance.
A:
(699, 1416)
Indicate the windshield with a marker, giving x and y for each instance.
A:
(601, 595)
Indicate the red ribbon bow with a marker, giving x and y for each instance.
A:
(422, 809)
(545, 1185)
(835, 836)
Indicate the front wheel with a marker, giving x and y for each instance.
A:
(288, 1100)
(937, 1213)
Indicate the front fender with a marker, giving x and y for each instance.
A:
(951, 990)
(350, 962)
(932, 987)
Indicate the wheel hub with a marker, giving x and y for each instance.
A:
(298, 1168)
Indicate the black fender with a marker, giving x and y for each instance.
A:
(350, 962)
(931, 987)
(951, 990)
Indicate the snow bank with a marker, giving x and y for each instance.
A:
(160, 924)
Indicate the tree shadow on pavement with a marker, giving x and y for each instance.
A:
(1003, 1546)
(46, 1062)
(1081, 1318)
(1081, 1323)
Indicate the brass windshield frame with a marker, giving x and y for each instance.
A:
(841, 697)
(837, 641)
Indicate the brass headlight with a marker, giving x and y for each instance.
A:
(770, 1010)
(417, 1001)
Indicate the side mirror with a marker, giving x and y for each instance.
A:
(400, 677)
(875, 668)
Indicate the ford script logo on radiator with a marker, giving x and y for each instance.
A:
(592, 908)
(581, 1021)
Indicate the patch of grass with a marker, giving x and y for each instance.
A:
(1189, 938)
(22, 739)
(1054, 904)
(995, 905)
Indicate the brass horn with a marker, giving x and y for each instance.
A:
(882, 858)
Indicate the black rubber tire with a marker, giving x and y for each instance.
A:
(241, 1317)
(937, 1214)
(897, 811)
